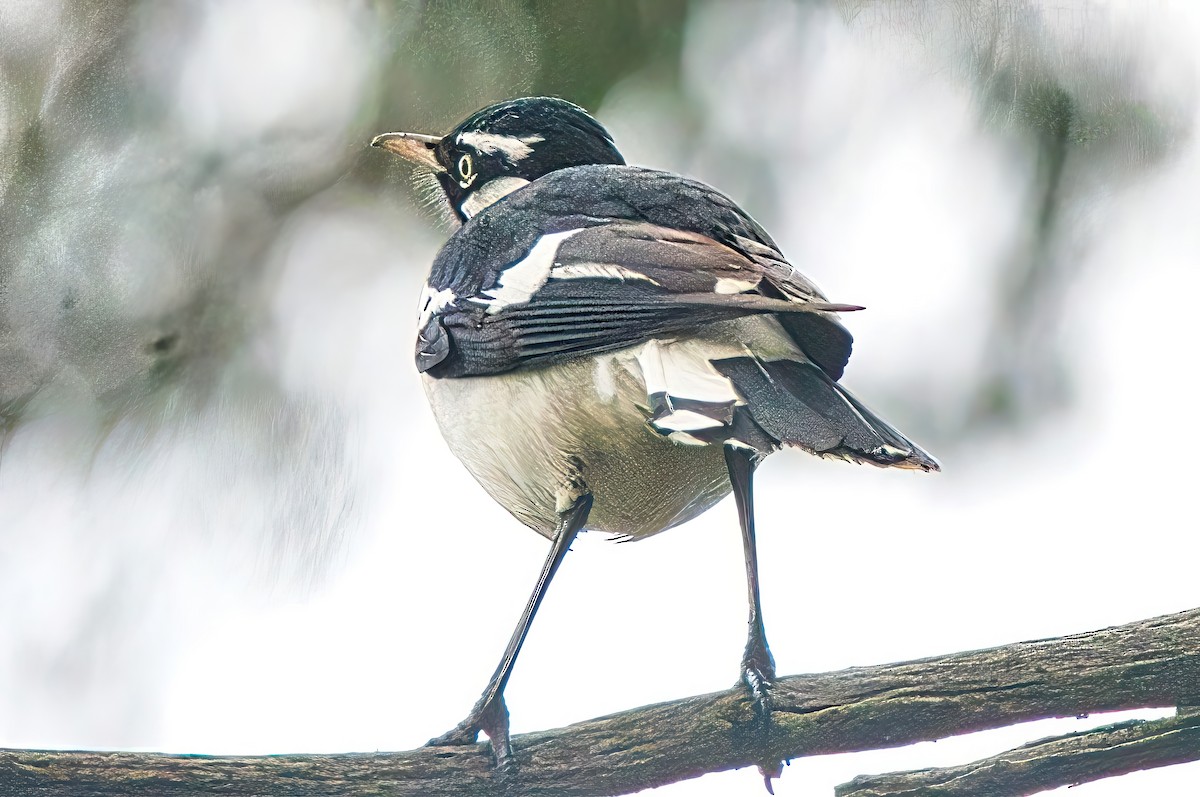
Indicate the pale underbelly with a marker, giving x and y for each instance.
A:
(537, 439)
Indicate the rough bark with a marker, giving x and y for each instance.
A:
(1152, 663)
(1047, 763)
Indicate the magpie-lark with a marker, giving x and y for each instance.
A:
(616, 348)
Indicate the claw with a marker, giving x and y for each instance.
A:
(758, 673)
(462, 734)
(489, 716)
(769, 774)
(759, 684)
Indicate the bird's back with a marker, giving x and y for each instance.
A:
(593, 195)
(609, 329)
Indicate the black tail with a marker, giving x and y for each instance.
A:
(797, 404)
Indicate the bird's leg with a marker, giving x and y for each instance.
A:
(490, 714)
(758, 667)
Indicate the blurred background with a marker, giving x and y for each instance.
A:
(227, 520)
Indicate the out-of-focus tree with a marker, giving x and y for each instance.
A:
(180, 181)
(1083, 103)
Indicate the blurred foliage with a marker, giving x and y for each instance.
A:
(451, 57)
(458, 55)
(163, 161)
(1060, 79)
(144, 181)
(92, 155)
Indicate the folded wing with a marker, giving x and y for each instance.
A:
(619, 283)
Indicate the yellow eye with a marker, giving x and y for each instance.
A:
(466, 169)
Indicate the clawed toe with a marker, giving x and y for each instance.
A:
(465, 733)
(759, 681)
(489, 716)
(758, 673)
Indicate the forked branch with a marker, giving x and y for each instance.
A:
(1149, 664)
(1048, 763)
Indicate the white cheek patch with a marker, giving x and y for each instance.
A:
(433, 302)
(512, 148)
(519, 282)
(489, 193)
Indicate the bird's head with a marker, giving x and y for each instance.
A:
(498, 149)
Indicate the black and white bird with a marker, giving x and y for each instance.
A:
(614, 348)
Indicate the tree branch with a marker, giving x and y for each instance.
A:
(1048, 763)
(1149, 664)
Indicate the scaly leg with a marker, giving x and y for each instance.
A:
(490, 715)
(758, 667)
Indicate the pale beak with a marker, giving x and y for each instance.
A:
(413, 147)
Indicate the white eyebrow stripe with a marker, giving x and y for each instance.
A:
(513, 148)
(489, 193)
(520, 281)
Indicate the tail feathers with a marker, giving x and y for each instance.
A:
(916, 458)
(797, 404)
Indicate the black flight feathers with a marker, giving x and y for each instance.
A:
(798, 404)
(643, 253)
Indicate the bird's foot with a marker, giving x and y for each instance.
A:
(758, 673)
(489, 716)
